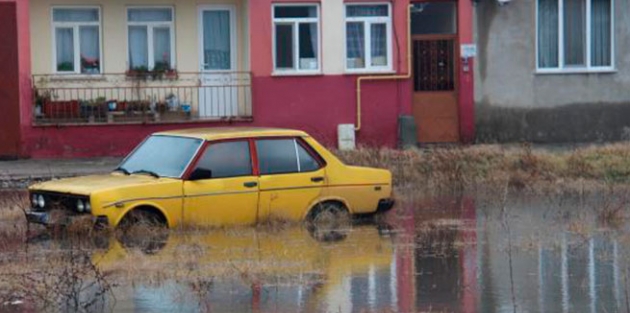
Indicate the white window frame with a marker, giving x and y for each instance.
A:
(367, 23)
(75, 36)
(294, 22)
(588, 68)
(150, 26)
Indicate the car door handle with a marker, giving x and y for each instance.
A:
(250, 184)
(317, 179)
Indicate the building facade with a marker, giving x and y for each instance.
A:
(94, 77)
(553, 71)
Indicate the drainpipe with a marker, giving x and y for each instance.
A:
(357, 127)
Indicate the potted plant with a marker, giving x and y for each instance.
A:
(139, 72)
(92, 109)
(65, 67)
(40, 99)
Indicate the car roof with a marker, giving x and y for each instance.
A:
(216, 133)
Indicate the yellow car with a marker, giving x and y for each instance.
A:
(216, 177)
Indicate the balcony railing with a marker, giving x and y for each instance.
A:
(141, 98)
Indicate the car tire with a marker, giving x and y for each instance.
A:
(143, 230)
(139, 217)
(329, 222)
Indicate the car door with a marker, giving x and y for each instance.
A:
(292, 178)
(222, 188)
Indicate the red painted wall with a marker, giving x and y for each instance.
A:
(318, 104)
(9, 82)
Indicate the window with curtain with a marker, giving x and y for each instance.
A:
(296, 38)
(575, 34)
(76, 40)
(217, 41)
(150, 38)
(368, 39)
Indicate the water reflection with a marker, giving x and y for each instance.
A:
(436, 255)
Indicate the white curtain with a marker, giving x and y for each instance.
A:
(162, 47)
(216, 40)
(574, 32)
(138, 50)
(548, 33)
(366, 10)
(600, 33)
(89, 46)
(150, 15)
(355, 42)
(308, 45)
(64, 38)
(379, 44)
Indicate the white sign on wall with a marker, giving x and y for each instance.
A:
(468, 51)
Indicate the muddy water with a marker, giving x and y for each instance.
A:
(451, 254)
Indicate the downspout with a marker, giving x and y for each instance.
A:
(357, 127)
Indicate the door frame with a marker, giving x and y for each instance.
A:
(233, 36)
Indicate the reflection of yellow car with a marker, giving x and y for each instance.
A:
(218, 176)
(290, 256)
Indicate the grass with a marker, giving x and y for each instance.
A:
(474, 166)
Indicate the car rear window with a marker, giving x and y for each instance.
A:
(227, 159)
(278, 156)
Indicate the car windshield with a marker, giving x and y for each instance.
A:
(161, 156)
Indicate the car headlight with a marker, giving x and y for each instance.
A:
(34, 202)
(88, 206)
(80, 206)
(40, 201)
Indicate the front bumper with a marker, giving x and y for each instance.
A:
(385, 205)
(48, 219)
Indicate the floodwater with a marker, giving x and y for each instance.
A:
(450, 254)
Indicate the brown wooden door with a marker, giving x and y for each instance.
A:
(435, 90)
(9, 83)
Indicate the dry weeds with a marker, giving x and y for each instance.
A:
(489, 165)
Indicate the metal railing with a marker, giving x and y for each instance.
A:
(141, 98)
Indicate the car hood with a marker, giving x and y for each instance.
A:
(85, 185)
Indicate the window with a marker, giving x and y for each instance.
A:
(368, 40)
(76, 40)
(575, 35)
(164, 155)
(296, 38)
(150, 37)
(227, 159)
(277, 156)
(307, 162)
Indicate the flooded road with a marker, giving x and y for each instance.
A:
(450, 254)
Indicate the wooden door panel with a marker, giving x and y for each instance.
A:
(436, 104)
(435, 97)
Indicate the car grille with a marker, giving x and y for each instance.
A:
(58, 201)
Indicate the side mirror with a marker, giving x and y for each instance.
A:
(200, 173)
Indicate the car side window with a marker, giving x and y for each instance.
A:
(227, 159)
(277, 156)
(307, 162)
(281, 156)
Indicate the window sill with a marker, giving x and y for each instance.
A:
(295, 73)
(369, 71)
(74, 76)
(575, 71)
